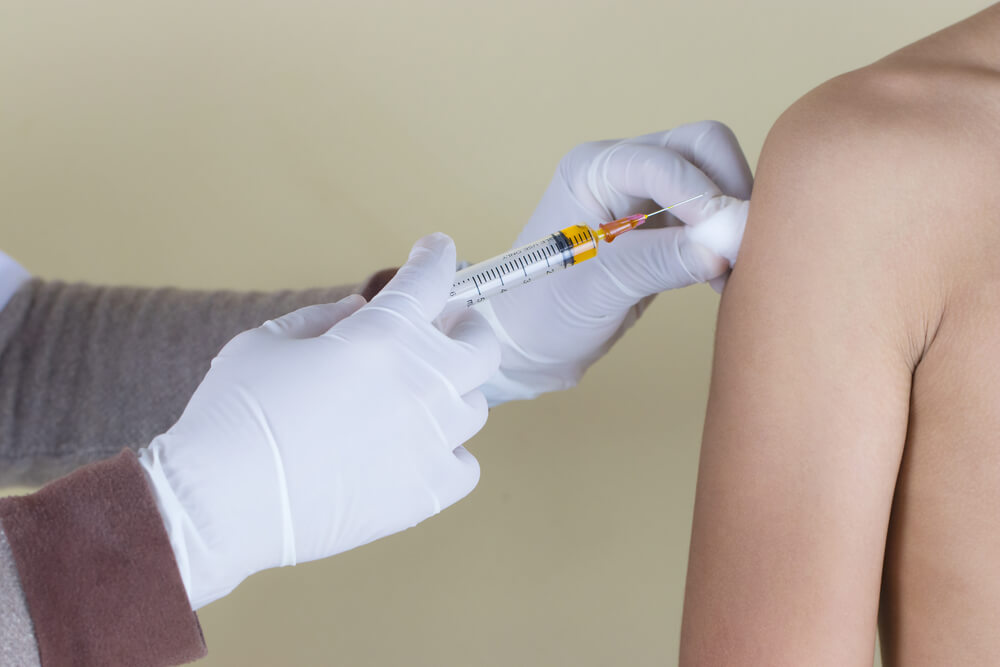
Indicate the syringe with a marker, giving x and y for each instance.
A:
(524, 265)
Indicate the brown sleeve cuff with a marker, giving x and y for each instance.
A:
(98, 571)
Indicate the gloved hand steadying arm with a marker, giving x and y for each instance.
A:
(551, 331)
(325, 429)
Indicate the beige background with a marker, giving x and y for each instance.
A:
(266, 144)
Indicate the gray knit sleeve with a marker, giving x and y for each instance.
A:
(86, 371)
(17, 638)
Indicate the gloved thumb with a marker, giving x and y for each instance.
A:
(313, 321)
(420, 288)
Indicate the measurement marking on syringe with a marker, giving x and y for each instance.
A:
(523, 267)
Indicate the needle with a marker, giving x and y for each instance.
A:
(667, 208)
(609, 231)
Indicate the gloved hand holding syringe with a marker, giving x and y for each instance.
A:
(522, 266)
(551, 332)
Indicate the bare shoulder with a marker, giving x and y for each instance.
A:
(896, 128)
(889, 172)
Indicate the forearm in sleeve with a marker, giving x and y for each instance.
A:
(86, 371)
(88, 577)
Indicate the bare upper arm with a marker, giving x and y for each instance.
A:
(821, 325)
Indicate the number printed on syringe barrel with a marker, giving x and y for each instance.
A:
(521, 266)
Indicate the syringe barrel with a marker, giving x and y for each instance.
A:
(522, 266)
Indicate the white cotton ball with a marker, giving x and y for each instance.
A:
(722, 232)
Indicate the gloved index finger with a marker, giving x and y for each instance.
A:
(713, 148)
(660, 174)
(420, 288)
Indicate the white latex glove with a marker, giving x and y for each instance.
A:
(325, 429)
(12, 276)
(552, 330)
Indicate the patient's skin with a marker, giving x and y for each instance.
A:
(854, 416)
